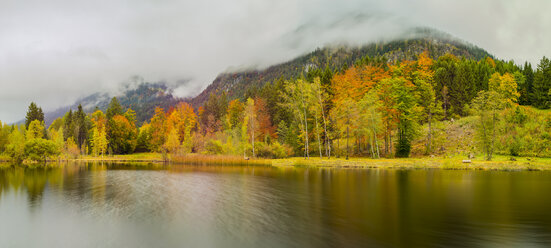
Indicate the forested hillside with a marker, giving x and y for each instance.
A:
(238, 84)
(416, 97)
(144, 97)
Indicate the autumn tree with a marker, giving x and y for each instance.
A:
(183, 120)
(356, 81)
(407, 110)
(388, 110)
(56, 135)
(99, 140)
(430, 108)
(130, 115)
(158, 129)
(144, 138)
(266, 131)
(370, 120)
(172, 144)
(16, 145)
(426, 95)
(39, 149)
(506, 86)
(487, 105)
(56, 124)
(213, 110)
(250, 117)
(297, 99)
(71, 148)
(5, 131)
(244, 135)
(122, 136)
(99, 119)
(235, 112)
(345, 113)
(35, 130)
(232, 125)
(320, 98)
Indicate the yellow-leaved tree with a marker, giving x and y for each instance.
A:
(506, 86)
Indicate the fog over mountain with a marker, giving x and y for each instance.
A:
(54, 52)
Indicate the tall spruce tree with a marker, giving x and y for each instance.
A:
(526, 89)
(81, 127)
(463, 87)
(34, 113)
(541, 95)
(444, 75)
(68, 125)
(114, 108)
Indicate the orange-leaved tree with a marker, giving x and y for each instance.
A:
(183, 119)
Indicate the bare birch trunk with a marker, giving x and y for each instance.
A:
(318, 133)
(306, 126)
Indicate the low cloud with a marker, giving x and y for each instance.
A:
(54, 52)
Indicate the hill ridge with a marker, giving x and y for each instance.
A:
(235, 84)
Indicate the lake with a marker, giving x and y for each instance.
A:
(139, 205)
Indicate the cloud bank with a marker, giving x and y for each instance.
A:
(54, 52)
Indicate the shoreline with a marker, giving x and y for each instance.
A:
(501, 163)
(419, 163)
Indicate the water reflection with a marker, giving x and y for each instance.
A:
(139, 205)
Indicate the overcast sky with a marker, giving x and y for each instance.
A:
(54, 52)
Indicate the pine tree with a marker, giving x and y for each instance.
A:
(33, 113)
(526, 87)
(81, 127)
(463, 87)
(68, 125)
(541, 97)
(114, 108)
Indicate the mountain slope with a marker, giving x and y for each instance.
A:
(236, 84)
(143, 98)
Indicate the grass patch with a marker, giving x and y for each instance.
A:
(197, 159)
(201, 159)
(135, 157)
(449, 162)
(503, 163)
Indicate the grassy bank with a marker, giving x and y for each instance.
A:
(135, 157)
(442, 162)
(498, 163)
(455, 163)
(199, 159)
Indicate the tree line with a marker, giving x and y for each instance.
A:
(372, 108)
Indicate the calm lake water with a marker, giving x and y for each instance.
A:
(130, 205)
